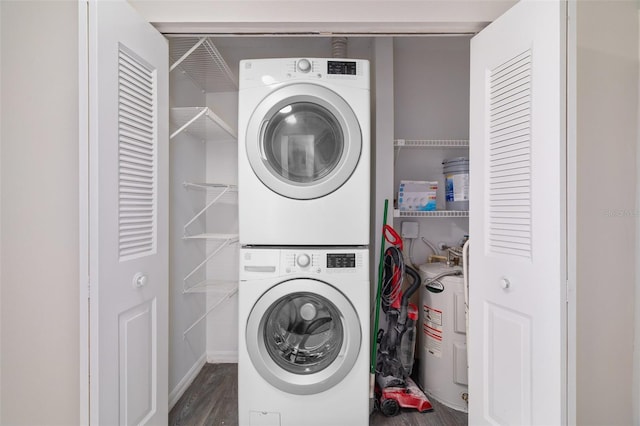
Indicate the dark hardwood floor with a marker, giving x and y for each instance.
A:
(212, 399)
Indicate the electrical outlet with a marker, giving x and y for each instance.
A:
(410, 230)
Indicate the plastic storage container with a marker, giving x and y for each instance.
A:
(443, 347)
(456, 183)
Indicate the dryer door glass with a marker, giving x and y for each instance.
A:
(303, 142)
(303, 333)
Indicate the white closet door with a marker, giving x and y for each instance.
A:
(517, 358)
(128, 96)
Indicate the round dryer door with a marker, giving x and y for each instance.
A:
(303, 141)
(303, 336)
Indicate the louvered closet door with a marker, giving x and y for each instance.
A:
(128, 72)
(517, 358)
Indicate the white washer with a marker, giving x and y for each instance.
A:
(304, 152)
(303, 337)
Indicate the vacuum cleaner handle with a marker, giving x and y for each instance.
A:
(391, 260)
(402, 319)
(414, 287)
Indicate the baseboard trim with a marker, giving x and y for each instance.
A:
(219, 357)
(186, 381)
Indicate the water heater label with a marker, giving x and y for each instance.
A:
(432, 329)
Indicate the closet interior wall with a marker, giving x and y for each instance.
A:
(431, 109)
(187, 163)
(429, 80)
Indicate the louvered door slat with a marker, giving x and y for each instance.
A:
(135, 134)
(136, 157)
(130, 87)
(509, 162)
(137, 124)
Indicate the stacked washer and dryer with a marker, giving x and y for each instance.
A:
(304, 182)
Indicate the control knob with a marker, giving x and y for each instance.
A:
(304, 65)
(303, 260)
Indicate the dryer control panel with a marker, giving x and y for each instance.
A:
(267, 72)
(342, 67)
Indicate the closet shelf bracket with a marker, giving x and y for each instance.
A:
(202, 123)
(224, 297)
(232, 239)
(203, 63)
(224, 189)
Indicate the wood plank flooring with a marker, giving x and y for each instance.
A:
(212, 399)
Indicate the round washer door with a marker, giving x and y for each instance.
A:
(303, 141)
(303, 336)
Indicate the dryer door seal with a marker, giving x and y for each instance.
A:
(303, 336)
(303, 141)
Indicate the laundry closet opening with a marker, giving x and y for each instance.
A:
(419, 118)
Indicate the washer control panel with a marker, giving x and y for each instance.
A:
(315, 262)
(269, 262)
(341, 260)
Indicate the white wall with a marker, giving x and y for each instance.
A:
(607, 139)
(635, 394)
(431, 92)
(39, 213)
(320, 16)
(186, 164)
(0, 212)
(382, 149)
(222, 167)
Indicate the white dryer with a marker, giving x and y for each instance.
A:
(304, 152)
(303, 345)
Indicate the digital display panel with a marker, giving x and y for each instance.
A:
(341, 67)
(341, 260)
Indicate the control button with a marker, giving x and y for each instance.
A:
(303, 260)
(304, 65)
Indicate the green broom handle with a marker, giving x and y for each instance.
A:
(379, 292)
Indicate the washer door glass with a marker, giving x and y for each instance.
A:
(303, 141)
(303, 336)
(303, 333)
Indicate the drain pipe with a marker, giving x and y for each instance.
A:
(339, 47)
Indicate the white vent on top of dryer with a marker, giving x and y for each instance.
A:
(137, 156)
(509, 227)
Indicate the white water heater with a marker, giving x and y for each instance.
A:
(443, 347)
